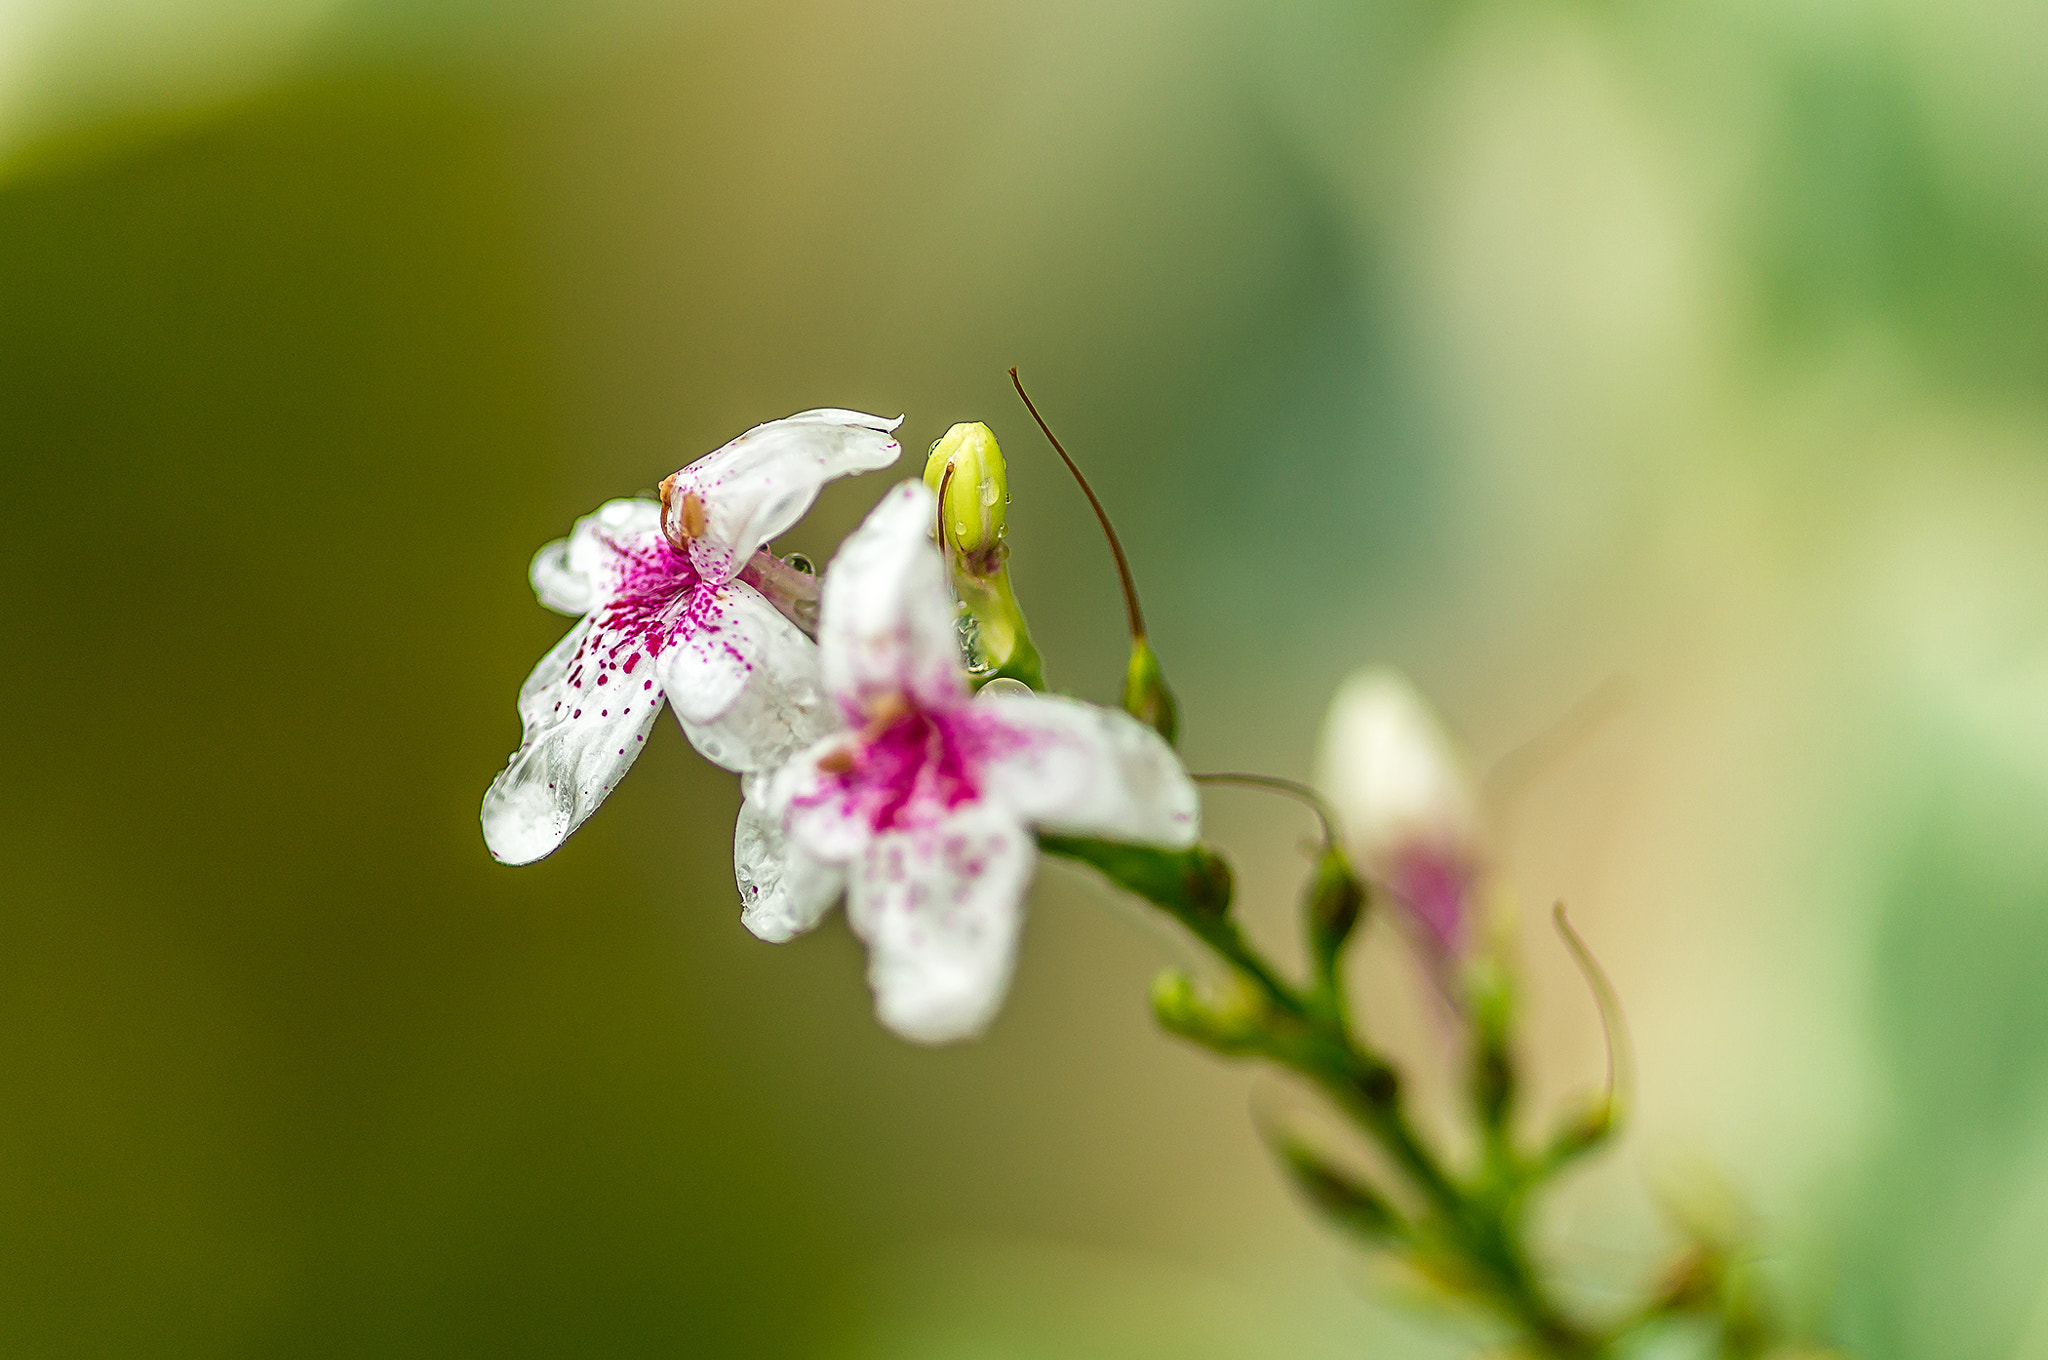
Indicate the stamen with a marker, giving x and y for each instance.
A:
(838, 760)
(1123, 568)
(693, 519)
(882, 714)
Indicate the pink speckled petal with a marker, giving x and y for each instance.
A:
(579, 742)
(784, 890)
(781, 706)
(710, 655)
(574, 575)
(887, 623)
(1077, 769)
(940, 907)
(818, 814)
(762, 482)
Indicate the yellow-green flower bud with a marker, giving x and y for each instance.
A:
(965, 471)
(1229, 1025)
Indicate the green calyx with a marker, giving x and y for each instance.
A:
(1146, 696)
(1336, 901)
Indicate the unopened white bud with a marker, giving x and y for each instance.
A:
(1409, 810)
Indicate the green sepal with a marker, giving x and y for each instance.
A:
(1146, 696)
(1341, 1197)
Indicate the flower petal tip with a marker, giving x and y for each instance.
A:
(522, 823)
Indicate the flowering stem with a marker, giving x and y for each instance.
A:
(793, 591)
(1472, 1236)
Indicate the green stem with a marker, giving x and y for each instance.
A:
(1306, 1034)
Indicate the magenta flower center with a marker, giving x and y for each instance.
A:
(656, 601)
(1433, 883)
(914, 767)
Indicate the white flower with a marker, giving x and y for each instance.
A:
(1409, 812)
(922, 811)
(678, 603)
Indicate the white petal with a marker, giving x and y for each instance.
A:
(940, 907)
(784, 890)
(886, 620)
(1392, 775)
(579, 741)
(813, 804)
(710, 654)
(761, 483)
(1078, 769)
(574, 575)
(781, 705)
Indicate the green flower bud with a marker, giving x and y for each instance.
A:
(1230, 1027)
(1336, 899)
(965, 471)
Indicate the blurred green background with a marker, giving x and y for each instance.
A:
(1518, 343)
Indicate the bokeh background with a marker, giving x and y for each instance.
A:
(1523, 344)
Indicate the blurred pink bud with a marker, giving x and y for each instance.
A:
(1409, 811)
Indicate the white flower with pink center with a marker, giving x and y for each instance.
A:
(922, 810)
(679, 604)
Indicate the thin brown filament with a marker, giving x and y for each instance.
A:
(939, 524)
(1300, 792)
(1123, 567)
(1620, 1072)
